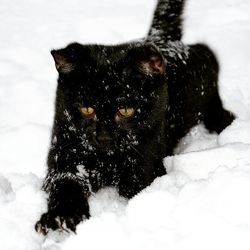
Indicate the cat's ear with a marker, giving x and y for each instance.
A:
(154, 64)
(62, 62)
(150, 60)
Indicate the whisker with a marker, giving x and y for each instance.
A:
(137, 151)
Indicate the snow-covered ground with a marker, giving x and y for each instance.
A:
(204, 201)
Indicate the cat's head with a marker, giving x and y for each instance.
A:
(110, 96)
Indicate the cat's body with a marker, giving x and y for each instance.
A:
(120, 110)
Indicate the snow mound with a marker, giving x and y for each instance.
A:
(201, 203)
(21, 203)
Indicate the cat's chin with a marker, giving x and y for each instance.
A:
(108, 149)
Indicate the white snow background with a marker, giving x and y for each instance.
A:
(204, 201)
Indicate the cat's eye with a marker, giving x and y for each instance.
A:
(126, 112)
(87, 111)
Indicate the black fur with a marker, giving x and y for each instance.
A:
(171, 86)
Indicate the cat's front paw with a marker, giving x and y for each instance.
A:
(50, 221)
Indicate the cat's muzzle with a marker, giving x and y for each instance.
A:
(103, 139)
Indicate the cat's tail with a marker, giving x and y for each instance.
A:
(167, 21)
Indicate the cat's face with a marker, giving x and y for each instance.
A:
(111, 96)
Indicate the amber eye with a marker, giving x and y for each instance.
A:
(126, 112)
(87, 111)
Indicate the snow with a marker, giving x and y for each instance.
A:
(203, 202)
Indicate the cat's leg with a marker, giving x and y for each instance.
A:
(67, 203)
(130, 185)
(132, 180)
(136, 177)
(203, 96)
(216, 117)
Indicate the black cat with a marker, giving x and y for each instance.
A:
(121, 109)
